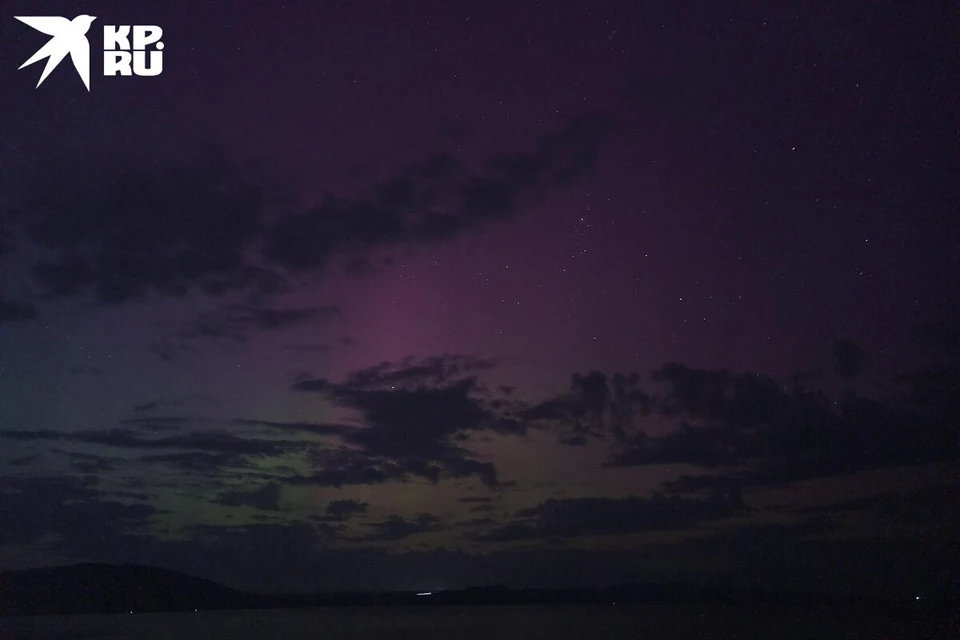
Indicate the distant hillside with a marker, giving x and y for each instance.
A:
(98, 588)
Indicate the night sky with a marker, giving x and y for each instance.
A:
(430, 295)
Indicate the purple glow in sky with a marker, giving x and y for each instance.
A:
(357, 280)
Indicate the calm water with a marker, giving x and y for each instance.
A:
(467, 623)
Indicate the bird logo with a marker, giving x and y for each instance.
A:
(69, 36)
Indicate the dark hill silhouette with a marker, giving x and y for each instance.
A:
(98, 588)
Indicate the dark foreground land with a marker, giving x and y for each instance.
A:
(160, 599)
(587, 622)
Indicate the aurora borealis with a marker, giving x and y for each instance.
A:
(424, 296)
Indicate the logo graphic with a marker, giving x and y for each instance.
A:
(126, 57)
(128, 50)
(69, 36)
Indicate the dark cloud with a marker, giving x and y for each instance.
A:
(166, 229)
(398, 528)
(266, 497)
(595, 405)
(284, 540)
(211, 226)
(435, 370)
(413, 412)
(703, 446)
(718, 396)
(147, 406)
(217, 441)
(237, 322)
(23, 461)
(475, 522)
(417, 415)
(905, 508)
(68, 507)
(433, 201)
(343, 509)
(200, 451)
(345, 466)
(17, 311)
(408, 421)
(316, 428)
(576, 517)
(771, 434)
(198, 461)
(482, 508)
(91, 463)
(457, 464)
(472, 499)
(703, 483)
